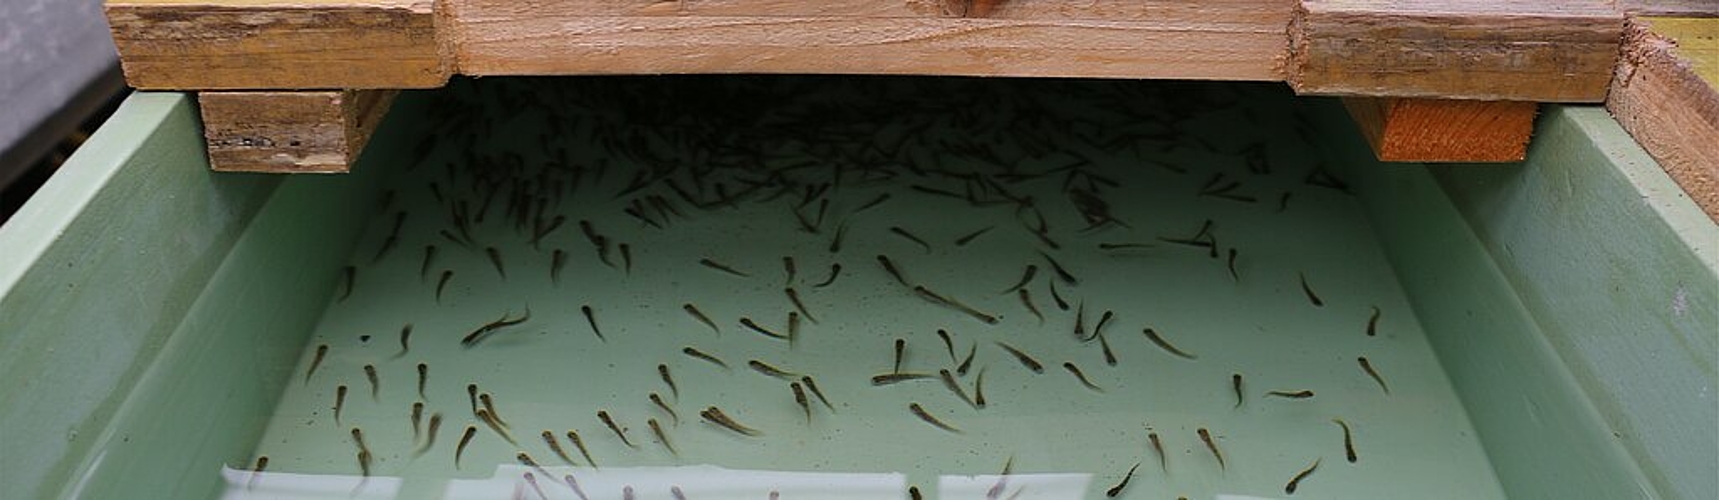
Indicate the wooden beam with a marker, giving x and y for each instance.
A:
(1171, 39)
(1658, 98)
(1443, 131)
(290, 132)
(1548, 51)
(278, 44)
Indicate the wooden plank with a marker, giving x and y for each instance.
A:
(1552, 51)
(1209, 11)
(290, 132)
(1660, 100)
(278, 44)
(1232, 40)
(1443, 131)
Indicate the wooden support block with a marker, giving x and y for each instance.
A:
(1547, 51)
(278, 44)
(1662, 102)
(1442, 131)
(290, 132)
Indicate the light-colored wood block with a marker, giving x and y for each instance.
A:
(290, 132)
(1662, 102)
(278, 44)
(1218, 40)
(1444, 131)
(1547, 51)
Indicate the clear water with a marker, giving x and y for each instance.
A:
(1155, 146)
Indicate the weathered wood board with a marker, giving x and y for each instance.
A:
(290, 132)
(1658, 97)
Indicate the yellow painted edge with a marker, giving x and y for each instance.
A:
(1697, 42)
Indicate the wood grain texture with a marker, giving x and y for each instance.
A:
(290, 132)
(283, 44)
(1444, 131)
(1659, 99)
(1228, 40)
(1551, 51)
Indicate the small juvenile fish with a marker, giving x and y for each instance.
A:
(555, 446)
(1373, 323)
(1348, 440)
(608, 421)
(1117, 490)
(573, 436)
(789, 270)
(1212, 445)
(929, 295)
(591, 319)
(1032, 270)
(1158, 449)
(699, 315)
(1080, 321)
(663, 371)
(257, 471)
(1104, 346)
(375, 383)
(1027, 300)
(482, 332)
(948, 344)
(722, 267)
(1057, 297)
(494, 425)
(489, 404)
(364, 462)
(695, 353)
(794, 296)
(807, 381)
(1303, 394)
(715, 415)
(1028, 361)
(430, 436)
(1289, 489)
(920, 412)
(1236, 383)
(495, 259)
(405, 340)
(793, 327)
(955, 387)
(429, 258)
(526, 460)
(964, 240)
(893, 271)
(1061, 273)
(800, 399)
(417, 419)
(1066, 365)
(1165, 345)
(658, 400)
(898, 231)
(900, 348)
(657, 428)
(835, 271)
(894, 378)
(557, 261)
(532, 480)
(967, 363)
(471, 394)
(1124, 246)
(316, 361)
(841, 233)
(351, 276)
(423, 376)
(766, 369)
(753, 325)
(1368, 367)
(574, 484)
(358, 439)
(979, 389)
(471, 431)
(1312, 297)
(1232, 266)
(442, 284)
(339, 401)
(913, 492)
